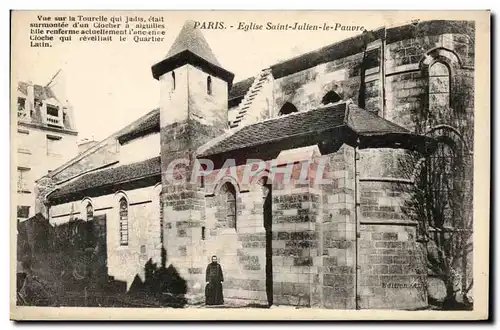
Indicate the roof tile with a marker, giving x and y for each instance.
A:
(41, 92)
(275, 129)
(304, 123)
(193, 40)
(367, 123)
(109, 176)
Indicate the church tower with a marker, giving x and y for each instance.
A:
(193, 110)
(194, 86)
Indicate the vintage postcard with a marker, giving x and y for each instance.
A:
(244, 165)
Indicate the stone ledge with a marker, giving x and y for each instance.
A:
(388, 222)
(381, 179)
(402, 69)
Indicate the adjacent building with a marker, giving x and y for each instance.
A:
(46, 137)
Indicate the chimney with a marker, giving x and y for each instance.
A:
(85, 144)
(30, 98)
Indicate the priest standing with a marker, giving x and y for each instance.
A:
(214, 279)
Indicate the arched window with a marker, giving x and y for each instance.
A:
(209, 85)
(287, 108)
(331, 97)
(439, 87)
(90, 212)
(229, 198)
(173, 81)
(123, 221)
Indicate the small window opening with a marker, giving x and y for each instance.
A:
(209, 85)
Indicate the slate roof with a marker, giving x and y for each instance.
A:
(367, 123)
(355, 44)
(304, 123)
(193, 40)
(41, 92)
(240, 88)
(149, 123)
(109, 176)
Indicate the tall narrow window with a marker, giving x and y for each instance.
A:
(173, 81)
(90, 212)
(230, 199)
(209, 85)
(439, 89)
(123, 221)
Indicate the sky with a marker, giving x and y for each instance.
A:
(109, 84)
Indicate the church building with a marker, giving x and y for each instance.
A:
(346, 117)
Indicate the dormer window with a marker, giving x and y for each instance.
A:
(52, 111)
(53, 115)
(209, 85)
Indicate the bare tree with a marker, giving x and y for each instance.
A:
(440, 201)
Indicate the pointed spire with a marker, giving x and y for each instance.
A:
(191, 47)
(193, 40)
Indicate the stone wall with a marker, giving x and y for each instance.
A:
(296, 208)
(262, 259)
(392, 263)
(140, 148)
(124, 262)
(392, 266)
(443, 106)
(337, 234)
(103, 155)
(191, 114)
(204, 106)
(305, 89)
(407, 80)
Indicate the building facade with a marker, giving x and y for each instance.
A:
(45, 139)
(346, 117)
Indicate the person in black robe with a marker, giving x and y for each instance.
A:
(214, 279)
